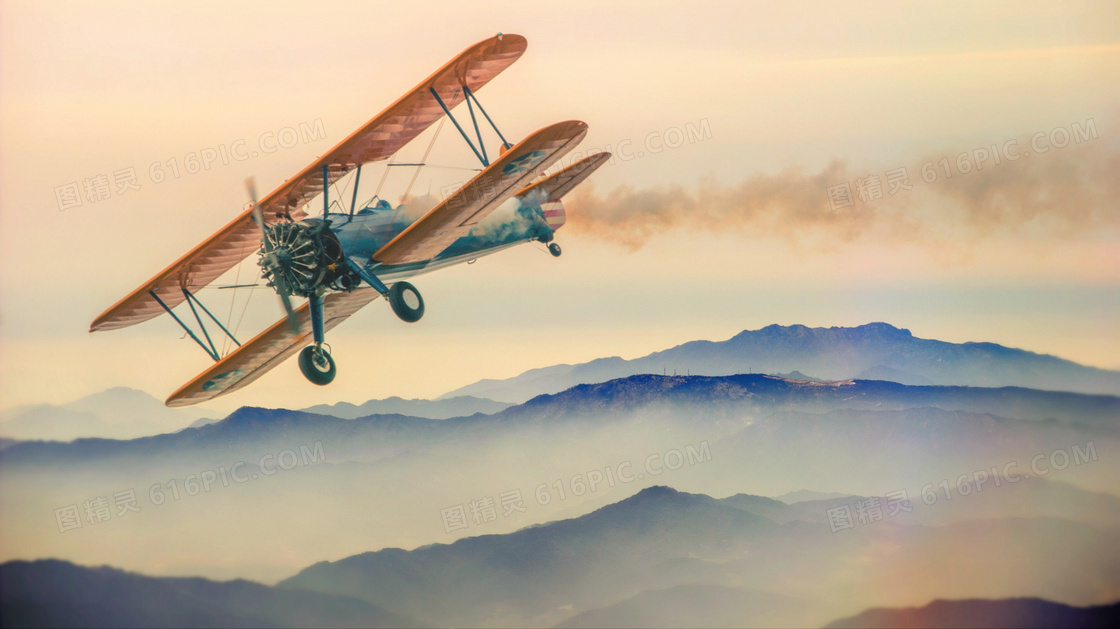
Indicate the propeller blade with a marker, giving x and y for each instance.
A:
(293, 320)
(258, 215)
(278, 280)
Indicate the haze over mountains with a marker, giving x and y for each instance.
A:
(117, 413)
(50, 593)
(659, 558)
(876, 351)
(624, 502)
(430, 409)
(1026, 613)
(384, 480)
(123, 413)
(778, 572)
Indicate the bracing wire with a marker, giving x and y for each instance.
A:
(423, 160)
(384, 176)
(233, 298)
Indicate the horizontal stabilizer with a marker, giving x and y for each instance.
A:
(554, 187)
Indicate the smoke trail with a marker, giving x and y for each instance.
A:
(1066, 192)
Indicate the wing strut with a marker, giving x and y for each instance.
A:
(354, 199)
(470, 96)
(326, 186)
(210, 349)
(466, 137)
(479, 152)
(377, 140)
(481, 144)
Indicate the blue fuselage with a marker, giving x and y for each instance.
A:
(374, 226)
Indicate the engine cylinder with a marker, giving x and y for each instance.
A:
(303, 255)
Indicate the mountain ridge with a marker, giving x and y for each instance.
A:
(578, 569)
(461, 406)
(1027, 613)
(717, 561)
(115, 413)
(49, 592)
(834, 353)
(718, 394)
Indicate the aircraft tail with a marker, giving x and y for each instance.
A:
(551, 189)
(554, 215)
(555, 186)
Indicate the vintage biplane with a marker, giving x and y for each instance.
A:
(342, 260)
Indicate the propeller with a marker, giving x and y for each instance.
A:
(269, 260)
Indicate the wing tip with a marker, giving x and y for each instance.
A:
(179, 397)
(104, 321)
(510, 40)
(593, 161)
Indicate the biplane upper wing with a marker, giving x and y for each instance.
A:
(376, 140)
(499, 182)
(556, 186)
(268, 349)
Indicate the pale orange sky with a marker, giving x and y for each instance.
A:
(89, 88)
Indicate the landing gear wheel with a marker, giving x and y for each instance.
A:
(406, 302)
(554, 249)
(317, 365)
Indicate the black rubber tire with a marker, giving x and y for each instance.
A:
(321, 371)
(400, 294)
(554, 249)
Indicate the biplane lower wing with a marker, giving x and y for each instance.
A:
(268, 349)
(499, 182)
(556, 186)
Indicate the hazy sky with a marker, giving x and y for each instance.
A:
(690, 237)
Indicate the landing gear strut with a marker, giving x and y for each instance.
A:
(402, 296)
(314, 360)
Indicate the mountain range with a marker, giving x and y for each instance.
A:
(444, 408)
(659, 558)
(683, 400)
(1026, 613)
(51, 593)
(769, 435)
(875, 351)
(117, 413)
(1010, 492)
(124, 413)
(740, 561)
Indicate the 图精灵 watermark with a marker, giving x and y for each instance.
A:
(485, 509)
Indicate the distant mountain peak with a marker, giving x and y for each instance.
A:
(122, 390)
(656, 498)
(880, 327)
(655, 492)
(878, 351)
(797, 330)
(115, 413)
(247, 415)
